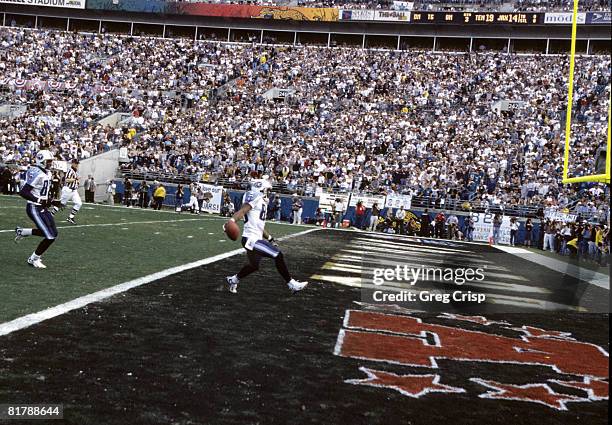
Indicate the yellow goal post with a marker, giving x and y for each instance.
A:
(601, 178)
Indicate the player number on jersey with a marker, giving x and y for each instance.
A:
(45, 189)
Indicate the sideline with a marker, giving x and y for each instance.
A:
(34, 318)
(205, 215)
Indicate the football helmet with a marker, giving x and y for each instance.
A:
(44, 159)
(261, 185)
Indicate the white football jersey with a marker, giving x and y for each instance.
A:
(255, 219)
(40, 180)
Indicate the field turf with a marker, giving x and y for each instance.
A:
(183, 350)
(110, 245)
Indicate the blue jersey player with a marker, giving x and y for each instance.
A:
(36, 192)
(256, 241)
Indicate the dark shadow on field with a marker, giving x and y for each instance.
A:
(184, 351)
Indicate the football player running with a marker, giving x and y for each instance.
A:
(70, 192)
(257, 242)
(36, 192)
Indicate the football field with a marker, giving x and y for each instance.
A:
(109, 246)
(181, 349)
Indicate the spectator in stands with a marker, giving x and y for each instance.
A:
(159, 195)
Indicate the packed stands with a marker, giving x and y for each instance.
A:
(378, 121)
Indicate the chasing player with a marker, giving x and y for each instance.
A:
(36, 192)
(257, 242)
(70, 192)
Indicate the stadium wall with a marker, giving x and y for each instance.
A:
(310, 206)
(103, 168)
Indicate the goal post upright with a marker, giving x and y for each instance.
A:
(602, 178)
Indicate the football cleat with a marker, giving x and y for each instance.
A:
(71, 220)
(18, 234)
(232, 282)
(36, 263)
(295, 286)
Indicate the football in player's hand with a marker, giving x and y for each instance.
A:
(232, 230)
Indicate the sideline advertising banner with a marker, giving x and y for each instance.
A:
(71, 4)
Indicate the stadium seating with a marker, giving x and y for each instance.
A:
(411, 122)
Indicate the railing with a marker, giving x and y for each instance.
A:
(421, 202)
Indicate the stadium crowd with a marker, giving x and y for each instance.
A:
(450, 5)
(376, 121)
(445, 5)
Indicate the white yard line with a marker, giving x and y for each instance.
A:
(123, 223)
(34, 318)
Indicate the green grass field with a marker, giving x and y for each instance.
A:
(110, 245)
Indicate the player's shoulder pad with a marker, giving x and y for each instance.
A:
(33, 172)
(252, 196)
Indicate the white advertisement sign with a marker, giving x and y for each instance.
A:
(71, 4)
(356, 15)
(213, 205)
(392, 15)
(483, 228)
(397, 201)
(560, 216)
(564, 18)
(367, 200)
(327, 200)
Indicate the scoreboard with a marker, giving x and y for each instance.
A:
(482, 18)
